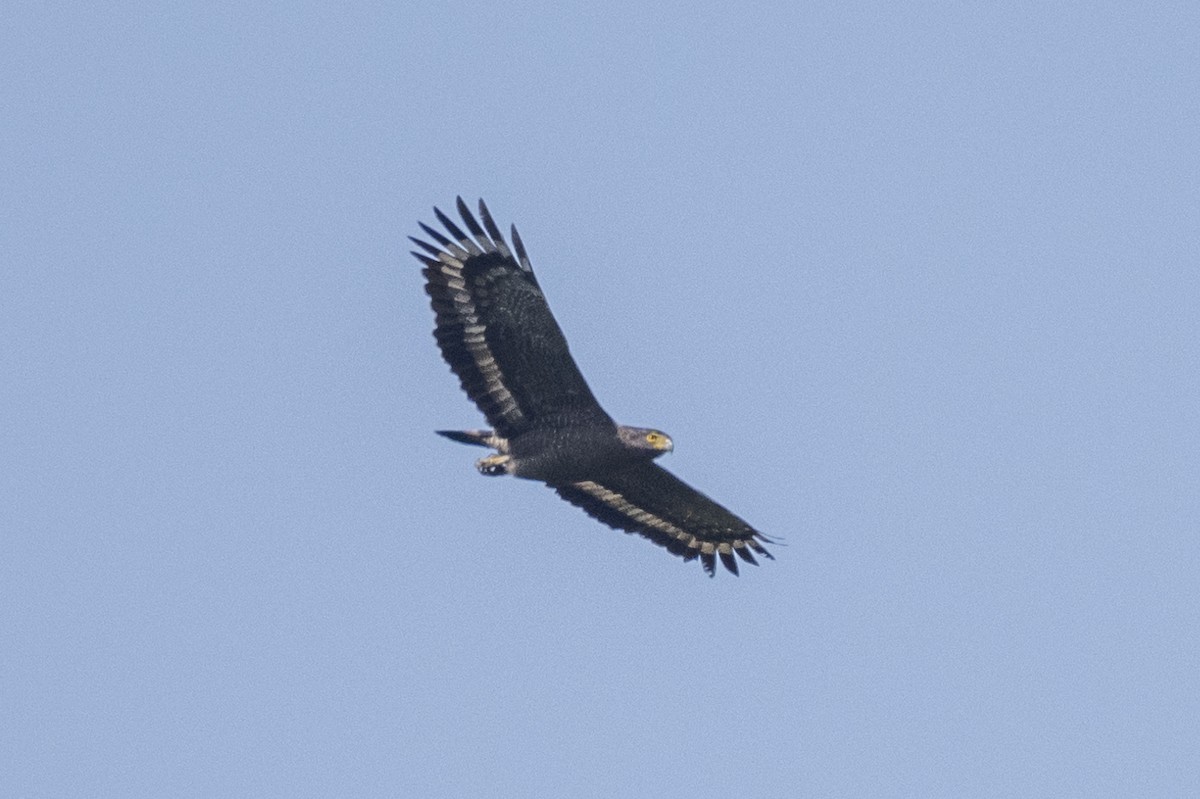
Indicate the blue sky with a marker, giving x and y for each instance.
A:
(911, 287)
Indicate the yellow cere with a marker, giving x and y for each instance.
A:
(656, 439)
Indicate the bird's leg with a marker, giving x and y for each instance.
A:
(493, 465)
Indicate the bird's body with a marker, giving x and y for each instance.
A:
(562, 452)
(496, 331)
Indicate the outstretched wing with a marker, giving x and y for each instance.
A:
(495, 329)
(648, 500)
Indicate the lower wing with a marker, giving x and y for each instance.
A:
(650, 501)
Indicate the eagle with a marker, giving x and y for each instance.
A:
(495, 330)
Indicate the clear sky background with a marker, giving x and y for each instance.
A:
(913, 287)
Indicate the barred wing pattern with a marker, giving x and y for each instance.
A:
(495, 328)
(648, 500)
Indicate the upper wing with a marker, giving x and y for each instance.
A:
(650, 501)
(495, 329)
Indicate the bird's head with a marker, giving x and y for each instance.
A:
(644, 439)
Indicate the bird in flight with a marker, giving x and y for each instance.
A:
(496, 332)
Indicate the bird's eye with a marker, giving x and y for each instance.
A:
(653, 438)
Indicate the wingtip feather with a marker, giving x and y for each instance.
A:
(729, 561)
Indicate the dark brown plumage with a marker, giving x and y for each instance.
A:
(495, 329)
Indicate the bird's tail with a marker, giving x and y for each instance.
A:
(480, 438)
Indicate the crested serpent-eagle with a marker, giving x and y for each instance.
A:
(496, 331)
